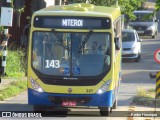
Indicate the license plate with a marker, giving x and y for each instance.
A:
(69, 103)
(140, 31)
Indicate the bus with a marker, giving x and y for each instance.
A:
(74, 57)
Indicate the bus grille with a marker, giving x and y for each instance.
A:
(83, 82)
(140, 27)
(129, 55)
(126, 48)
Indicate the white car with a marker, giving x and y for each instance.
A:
(146, 23)
(131, 45)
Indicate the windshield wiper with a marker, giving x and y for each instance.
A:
(85, 41)
(59, 39)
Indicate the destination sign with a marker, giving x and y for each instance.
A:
(72, 22)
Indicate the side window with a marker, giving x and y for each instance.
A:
(117, 35)
(117, 27)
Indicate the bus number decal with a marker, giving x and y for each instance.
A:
(52, 64)
(89, 90)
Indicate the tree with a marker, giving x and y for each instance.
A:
(127, 6)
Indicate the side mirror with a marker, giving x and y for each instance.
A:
(117, 43)
(156, 20)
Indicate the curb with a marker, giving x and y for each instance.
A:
(130, 110)
(150, 102)
(6, 82)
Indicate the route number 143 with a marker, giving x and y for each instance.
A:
(52, 64)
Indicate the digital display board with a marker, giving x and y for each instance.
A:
(72, 22)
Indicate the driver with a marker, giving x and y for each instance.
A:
(96, 48)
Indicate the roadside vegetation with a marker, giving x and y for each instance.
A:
(127, 6)
(150, 93)
(13, 89)
(16, 67)
(146, 97)
(157, 5)
(16, 63)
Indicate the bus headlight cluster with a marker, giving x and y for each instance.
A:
(35, 85)
(104, 88)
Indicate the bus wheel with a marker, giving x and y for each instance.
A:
(105, 111)
(115, 104)
(38, 108)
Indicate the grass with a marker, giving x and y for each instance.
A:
(150, 93)
(13, 89)
(145, 97)
(16, 67)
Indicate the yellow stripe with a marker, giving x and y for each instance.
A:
(158, 74)
(157, 83)
(158, 91)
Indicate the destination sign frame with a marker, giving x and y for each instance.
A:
(71, 22)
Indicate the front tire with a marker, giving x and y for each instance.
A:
(154, 36)
(105, 111)
(115, 104)
(138, 58)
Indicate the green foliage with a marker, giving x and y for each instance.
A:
(14, 88)
(16, 63)
(18, 10)
(103, 2)
(150, 93)
(152, 90)
(141, 92)
(157, 5)
(1, 28)
(127, 6)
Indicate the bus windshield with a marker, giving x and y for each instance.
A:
(71, 53)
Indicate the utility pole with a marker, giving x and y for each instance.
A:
(6, 21)
(60, 2)
(88, 1)
(116, 2)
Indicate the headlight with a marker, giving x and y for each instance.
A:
(104, 88)
(35, 85)
(151, 27)
(133, 48)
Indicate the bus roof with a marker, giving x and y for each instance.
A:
(81, 9)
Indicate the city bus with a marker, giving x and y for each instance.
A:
(74, 57)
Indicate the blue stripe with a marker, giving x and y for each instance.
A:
(105, 99)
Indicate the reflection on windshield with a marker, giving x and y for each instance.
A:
(128, 36)
(58, 53)
(143, 17)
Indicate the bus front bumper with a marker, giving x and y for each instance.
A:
(57, 100)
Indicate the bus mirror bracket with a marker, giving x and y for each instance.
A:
(117, 43)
